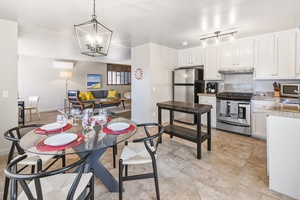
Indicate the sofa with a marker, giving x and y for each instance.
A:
(100, 95)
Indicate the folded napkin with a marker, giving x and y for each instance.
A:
(43, 147)
(41, 131)
(109, 131)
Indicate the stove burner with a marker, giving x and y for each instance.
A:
(235, 95)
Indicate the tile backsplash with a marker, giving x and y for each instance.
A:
(246, 83)
(239, 87)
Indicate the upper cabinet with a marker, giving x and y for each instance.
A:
(238, 54)
(298, 55)
(190, 57)
(275, 55)
(211, 65)
(264, 57)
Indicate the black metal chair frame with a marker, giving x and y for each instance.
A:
(14, 136)
(147, 141)
(11, 173)
(76, 102)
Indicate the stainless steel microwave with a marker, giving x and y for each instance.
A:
(289, 90)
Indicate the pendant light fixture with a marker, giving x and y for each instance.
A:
(217, 36)
(93, 38)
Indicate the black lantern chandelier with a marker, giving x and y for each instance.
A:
(93, 38)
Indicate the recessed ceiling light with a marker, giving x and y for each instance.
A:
(184, 43)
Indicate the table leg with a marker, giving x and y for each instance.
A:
(209, 130)
(123, 103)
(23, 113)
(198, 136)
(171, 120)
(100, 171)
(159, 122)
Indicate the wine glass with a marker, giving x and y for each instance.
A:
(88, 122)
(61, 119)
(101, 120)
(75, 112)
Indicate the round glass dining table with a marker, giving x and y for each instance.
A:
(38, 141)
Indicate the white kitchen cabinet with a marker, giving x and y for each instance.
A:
(285, 54)
(298, 55)
(276, 55)
(211, 65)
(190, 57)
(238, 54)
(209, 100)
(258, 118)
(264, 56)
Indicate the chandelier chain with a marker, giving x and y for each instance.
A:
(94, 15)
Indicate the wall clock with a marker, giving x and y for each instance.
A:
(138, 73)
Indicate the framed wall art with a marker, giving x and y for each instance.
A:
(93, 81)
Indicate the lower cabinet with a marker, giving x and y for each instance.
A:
(209, 100)
(258, 118)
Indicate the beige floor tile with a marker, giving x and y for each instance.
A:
(235, 168)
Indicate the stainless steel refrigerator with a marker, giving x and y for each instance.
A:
(187, 82)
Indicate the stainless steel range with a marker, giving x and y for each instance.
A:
(233, 112)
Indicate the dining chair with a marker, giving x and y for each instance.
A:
(14, 135)
(141, 151)
(55, 184)
(33, 105)
(127, 96)
(76, 102)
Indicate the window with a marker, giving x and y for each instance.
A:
(118, 74)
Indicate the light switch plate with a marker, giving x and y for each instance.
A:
(5, 94)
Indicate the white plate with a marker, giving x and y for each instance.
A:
(118, 126)
(60, 139)
(53, 126)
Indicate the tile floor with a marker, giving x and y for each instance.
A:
(235, 168)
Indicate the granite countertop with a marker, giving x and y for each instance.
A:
(207, 94)
(266, 98)
(284, 110)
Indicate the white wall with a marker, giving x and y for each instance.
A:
(51, 44)
(157, 63)
(38, 77)
(9, 80)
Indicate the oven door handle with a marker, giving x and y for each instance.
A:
(232, 123)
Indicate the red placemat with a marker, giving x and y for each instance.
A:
(41, 131)
(43, 147)
(108, 131)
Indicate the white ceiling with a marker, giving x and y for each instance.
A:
(165, 22)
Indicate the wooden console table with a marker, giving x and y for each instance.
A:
(185, 133)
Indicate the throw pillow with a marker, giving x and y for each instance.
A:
(89, 96)
(82, 96)
(112, 94)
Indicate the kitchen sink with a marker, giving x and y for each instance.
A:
(289, 101)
